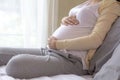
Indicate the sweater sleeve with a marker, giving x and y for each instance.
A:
(107, 16)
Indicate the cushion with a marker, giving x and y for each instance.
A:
(105, 51)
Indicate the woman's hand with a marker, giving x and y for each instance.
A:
(70, 20)
(52, 42)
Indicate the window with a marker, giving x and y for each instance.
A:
(25, 23)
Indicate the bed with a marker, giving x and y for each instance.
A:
(4, 76)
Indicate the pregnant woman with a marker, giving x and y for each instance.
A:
(86, 16)
(84, 29)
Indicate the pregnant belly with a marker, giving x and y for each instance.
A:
(68, 32)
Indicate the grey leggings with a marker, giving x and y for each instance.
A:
(34, 63)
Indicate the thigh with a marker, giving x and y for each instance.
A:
(27, 66)
(7, 53)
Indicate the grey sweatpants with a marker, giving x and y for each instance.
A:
(35, 63)
(111, 69)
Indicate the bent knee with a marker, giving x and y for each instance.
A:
(15, 65)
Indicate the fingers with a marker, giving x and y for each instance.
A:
(52, 42)
(71, 20)
(65, 21)
(74, 20)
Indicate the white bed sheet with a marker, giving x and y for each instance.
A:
(3, 76)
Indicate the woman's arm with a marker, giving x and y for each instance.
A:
(107, 17)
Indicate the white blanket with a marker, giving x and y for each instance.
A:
(3, 76)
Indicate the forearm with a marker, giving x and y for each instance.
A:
(81, 43)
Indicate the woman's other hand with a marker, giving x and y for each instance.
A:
(52, 42)
(70, 20)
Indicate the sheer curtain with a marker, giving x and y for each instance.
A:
(27, 23)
